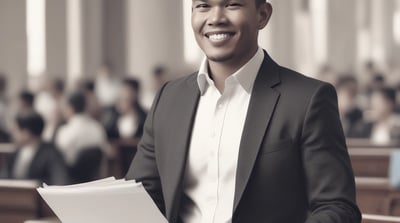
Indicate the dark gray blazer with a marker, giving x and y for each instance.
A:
(47, 165)
(293, 162)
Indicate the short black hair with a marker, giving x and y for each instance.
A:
(88, 85)
(27, 97)
(59, 85)
(345, 80)
(31, 121)
(77, 101)
(132, 83)
(260, 2)
(389, 94)
(378, 77)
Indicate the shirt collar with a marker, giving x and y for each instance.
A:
(245, 76)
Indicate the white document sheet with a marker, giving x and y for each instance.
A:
(104, 201)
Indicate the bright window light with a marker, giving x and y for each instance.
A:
(74, 39)
(319, 10)
(36, 36)
(396, 26)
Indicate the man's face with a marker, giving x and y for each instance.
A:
(227, 30)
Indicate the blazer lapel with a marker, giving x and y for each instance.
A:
(261, 108)
(186, 112)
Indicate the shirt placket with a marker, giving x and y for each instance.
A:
(217, 124)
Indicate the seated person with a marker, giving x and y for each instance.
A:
(80, 132)
(34, 159)
(385, 123)
(350, 113)
(25, 101)
(125, 126)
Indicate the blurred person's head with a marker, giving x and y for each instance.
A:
(369, 66)
(159, 76)
(55, 87)
(327, 73)
(86, 86)
(105, 70)
(74, 104)
(89, 86)
(3, 83)
(28, 128)
(378, 82)
(383, 103)
(128, 98)
(25, 101)
(347, 90)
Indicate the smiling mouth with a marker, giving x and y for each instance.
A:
(218, 37)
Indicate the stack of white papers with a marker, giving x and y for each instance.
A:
(102, 201)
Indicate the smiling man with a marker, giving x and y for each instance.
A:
(244, 140)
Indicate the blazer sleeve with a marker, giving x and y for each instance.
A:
(144, 167)
(329, 176)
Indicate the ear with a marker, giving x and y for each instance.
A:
(264, 14)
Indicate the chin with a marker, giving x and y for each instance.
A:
(220, 57)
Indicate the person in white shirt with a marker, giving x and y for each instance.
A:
(81, 131)
(386, 123)
(107, 85)
(244, 140)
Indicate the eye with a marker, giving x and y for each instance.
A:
(201, 6)
(233, 5)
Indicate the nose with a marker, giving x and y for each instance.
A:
(217, 16)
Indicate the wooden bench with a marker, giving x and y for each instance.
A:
(367, 143)
(19, 201)
(370, 162)
(5, 150)
(368, 218)
(373, 194)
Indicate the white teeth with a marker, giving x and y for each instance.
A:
(218, 37)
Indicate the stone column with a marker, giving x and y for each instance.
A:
(56, 38)
(341, 34)
(281, 33)
(114, 35)
(382, 40)
(92, 36)
(13, 43)
(154, 36)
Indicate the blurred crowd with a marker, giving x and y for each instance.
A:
(74, 135)
(67, 136)
(369, 103)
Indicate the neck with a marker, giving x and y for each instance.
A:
(220, 71)
(34, 141)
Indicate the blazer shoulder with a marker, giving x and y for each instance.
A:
(297, 77)
(181, 82)
(180, 86)
(300, 83)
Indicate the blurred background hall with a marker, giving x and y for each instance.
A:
(78, 76)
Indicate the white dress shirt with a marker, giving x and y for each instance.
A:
(128, 125)
(23, 161)
(81, 132)
(210, 175)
